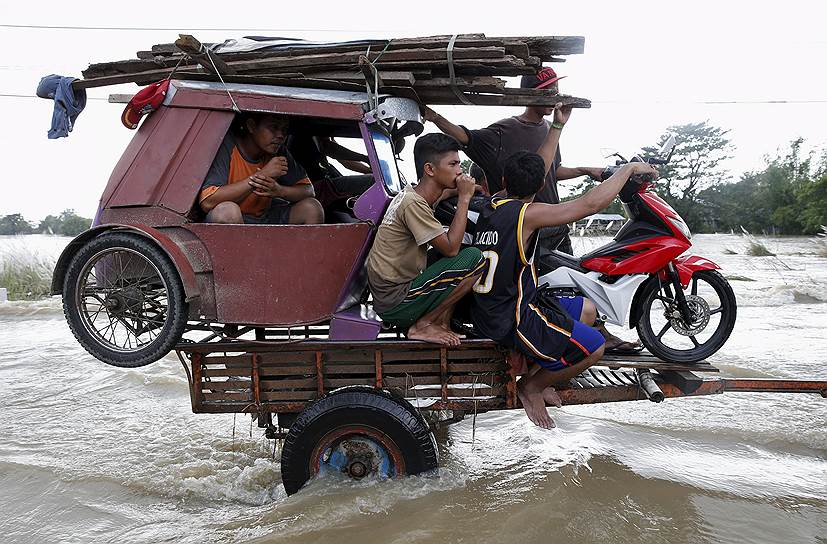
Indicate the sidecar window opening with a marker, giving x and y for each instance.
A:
(306, 137)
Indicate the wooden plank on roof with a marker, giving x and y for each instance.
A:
(211, 63)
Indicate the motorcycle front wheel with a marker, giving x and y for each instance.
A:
(666, 334)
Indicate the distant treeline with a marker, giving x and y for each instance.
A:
(787, 196)
(68, 223)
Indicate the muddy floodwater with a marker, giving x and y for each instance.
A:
(93, 453)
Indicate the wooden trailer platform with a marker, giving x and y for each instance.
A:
(283, 377)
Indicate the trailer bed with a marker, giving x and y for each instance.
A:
(282, 377)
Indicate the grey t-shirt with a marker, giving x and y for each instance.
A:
(491, 146)
(398, 254)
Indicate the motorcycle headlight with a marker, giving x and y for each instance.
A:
(681, 226)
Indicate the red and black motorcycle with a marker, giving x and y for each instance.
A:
(683, 308)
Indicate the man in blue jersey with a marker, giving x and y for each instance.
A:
(508, 308)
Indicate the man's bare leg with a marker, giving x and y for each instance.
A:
(225, 212)
(531, 388)
(433, 326)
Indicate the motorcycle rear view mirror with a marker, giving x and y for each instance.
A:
(668, 147)
(609, 152)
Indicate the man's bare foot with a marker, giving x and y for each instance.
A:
(434, 334)
(614, 343)
(550, 396)
(534, 404)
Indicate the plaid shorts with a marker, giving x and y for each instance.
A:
(436, 282)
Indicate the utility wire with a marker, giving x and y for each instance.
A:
(4, 95)
(711, 102)
(152, 29)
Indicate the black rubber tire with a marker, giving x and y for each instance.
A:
(177, 307)
(708, 348)
(374, 408)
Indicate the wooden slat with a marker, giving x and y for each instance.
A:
(295, 383)
(446, 97)
(241, 397)
(486, 366)
(334, 383)
(288, 395)
(270, 358)
(334, 369)
(227, 360)
(211, 63)
(453, 392)
(287, 57)
(219, 372)
(390, 356)
(228, 385)
(404, 381)
(411, 368)
(288, 370)
(341, 356)
(476, 354)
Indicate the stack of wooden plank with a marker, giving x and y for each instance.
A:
(418, 68)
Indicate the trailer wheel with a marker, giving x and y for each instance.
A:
(358, 431)
(123, 300)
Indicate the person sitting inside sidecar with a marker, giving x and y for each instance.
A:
(254, 178)
(332, 188)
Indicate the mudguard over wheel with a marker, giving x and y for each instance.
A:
(665, 333)
(358, 431)
(123, 300)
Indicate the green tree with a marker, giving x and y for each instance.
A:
(786, 197)
(68, 223)
(14, 224)
(697, 164)
(71, 224)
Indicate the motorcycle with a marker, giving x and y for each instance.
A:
(683, 309)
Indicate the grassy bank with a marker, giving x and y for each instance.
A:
(27, 277)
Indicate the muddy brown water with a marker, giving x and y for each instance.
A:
(91, 453)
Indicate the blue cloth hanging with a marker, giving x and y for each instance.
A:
(68, 103)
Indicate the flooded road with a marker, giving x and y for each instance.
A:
(92, 453)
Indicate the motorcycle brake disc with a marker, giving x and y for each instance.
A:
(699, 308)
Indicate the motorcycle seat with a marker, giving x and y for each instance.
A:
(555, 259)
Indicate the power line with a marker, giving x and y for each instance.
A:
(5, 95)
(710, 102)
(153, 29)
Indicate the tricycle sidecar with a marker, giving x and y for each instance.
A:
(149, 270)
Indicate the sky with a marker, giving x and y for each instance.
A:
(755, 69)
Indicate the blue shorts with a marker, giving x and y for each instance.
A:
(554, 341)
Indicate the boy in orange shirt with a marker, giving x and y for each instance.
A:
(254, 179)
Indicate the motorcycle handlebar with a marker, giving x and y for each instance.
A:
(637, 178)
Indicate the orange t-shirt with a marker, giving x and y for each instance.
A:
(231, 166)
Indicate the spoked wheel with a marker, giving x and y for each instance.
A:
(359, 432)
(124, 301)
(668, 336)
